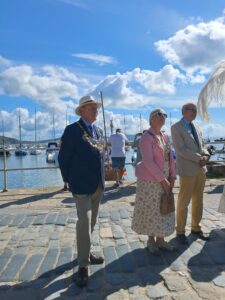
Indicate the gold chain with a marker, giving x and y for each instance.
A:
(92, 142)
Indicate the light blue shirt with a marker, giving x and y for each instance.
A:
(93, 129)
(189, 127)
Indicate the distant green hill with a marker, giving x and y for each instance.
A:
(12, 141)
(8, 141)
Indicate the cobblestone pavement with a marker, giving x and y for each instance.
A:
(38, 250)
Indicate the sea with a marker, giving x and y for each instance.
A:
(44, 177)
(52, 176)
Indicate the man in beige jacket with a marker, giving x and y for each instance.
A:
(191, 159)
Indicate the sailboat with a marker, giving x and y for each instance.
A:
(52, 150)
(35, 150)
(20, 151)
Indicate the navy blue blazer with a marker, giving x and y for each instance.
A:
(80, 160)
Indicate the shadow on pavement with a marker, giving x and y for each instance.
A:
(216, 190)
(125, 269)
(211, 257)
(112, 193)
(33, 198)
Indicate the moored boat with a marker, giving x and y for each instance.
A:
(2, 150)
(52, 152)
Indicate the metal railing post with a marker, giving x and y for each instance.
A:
(5, 172)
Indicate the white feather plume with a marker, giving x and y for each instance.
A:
(213, 91)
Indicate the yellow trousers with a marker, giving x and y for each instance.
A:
(191, 187)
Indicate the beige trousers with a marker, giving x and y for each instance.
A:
(191, 187)
(87, 211)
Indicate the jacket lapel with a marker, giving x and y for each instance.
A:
(188, 133)
(84, 126)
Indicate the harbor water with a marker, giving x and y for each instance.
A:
(40, 178)
(52, 176)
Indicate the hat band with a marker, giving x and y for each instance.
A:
(89, 101)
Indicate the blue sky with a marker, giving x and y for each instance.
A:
(142, 54)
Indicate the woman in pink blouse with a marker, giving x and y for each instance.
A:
(156, 174)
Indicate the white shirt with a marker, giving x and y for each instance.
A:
(117, 142)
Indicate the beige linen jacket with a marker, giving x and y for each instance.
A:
(188, 152)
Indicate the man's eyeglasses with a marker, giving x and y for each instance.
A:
(192, 109)
(160, 114)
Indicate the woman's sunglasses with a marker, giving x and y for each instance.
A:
(160, 114)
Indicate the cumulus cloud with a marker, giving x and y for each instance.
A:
(52, 87)
(44, 124)
(196, 47)
(4, 61)
(137, 87)
(162, 81)
(100, 60)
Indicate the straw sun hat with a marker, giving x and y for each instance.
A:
(85, 101)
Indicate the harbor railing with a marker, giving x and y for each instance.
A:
(5, 170)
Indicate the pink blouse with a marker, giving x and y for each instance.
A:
(151, 168)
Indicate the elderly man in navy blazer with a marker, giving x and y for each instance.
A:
(81, 161)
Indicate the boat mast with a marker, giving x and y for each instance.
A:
(53, 124)
(20, 128)
(35, 127)
(140, 123)
(66, 118)
(111, 126)
(105, 136)
(124, 124)
(3, 132)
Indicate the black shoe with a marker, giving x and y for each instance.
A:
(96, 260)
(82, 276)
(201, 235)
(182, 239)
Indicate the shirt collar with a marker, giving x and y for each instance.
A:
(186, 122)
(86, 123)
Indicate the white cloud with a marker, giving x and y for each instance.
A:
(100, 60)
(162, 81)
(44, 124)
(4, 61)
(52, 87)
(137, 88)
(196, 47)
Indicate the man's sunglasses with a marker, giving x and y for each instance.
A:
(192, 109)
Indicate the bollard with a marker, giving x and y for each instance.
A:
(5, 172)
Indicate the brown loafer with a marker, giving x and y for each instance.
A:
(82, 276)
(96, 260)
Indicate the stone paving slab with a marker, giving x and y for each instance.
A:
(38, 250)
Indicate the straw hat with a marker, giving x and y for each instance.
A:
(85, 101)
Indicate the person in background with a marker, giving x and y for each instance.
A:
(191, 159)
(155, 175)
(81, 161)
(117, 142)
(136, 145)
